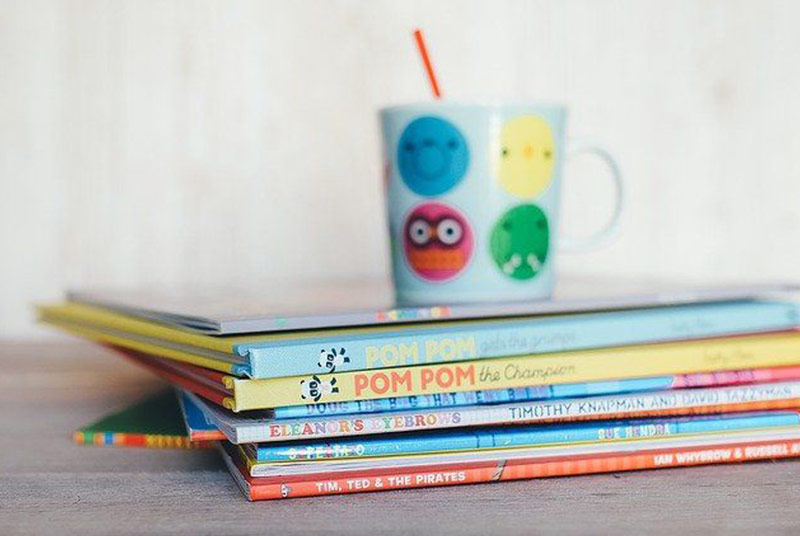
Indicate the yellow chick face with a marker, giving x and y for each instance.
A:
(524, 164)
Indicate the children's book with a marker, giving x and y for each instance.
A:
(198, 423)
(198, 427)
(541, 462)
(154, 422)
(301, 456)
(260, 427)
(543, 392)
(276, 355)
(707, 355)
(308, 305)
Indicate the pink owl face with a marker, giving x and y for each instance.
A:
(438, 241)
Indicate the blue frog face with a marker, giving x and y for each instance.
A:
(432, 156)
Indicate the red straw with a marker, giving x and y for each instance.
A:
(423, 51)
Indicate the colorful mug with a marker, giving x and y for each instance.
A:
(473, 200)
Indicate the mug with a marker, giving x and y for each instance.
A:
(473, 200)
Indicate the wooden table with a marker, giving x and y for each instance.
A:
(48, 484)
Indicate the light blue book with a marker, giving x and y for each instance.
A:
(398, 346)
(519, 436)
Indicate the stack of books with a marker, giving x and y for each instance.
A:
(344, 399)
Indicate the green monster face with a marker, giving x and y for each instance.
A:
(520, 241)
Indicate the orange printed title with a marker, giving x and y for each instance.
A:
(462, 377)
(428, 378)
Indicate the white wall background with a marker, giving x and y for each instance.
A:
(146, 142)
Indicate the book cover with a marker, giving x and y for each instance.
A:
(708, 355)
(198, 427)
(154, 422)
(300, 469)
(369, 348)
(314, 305)
(264, 459)
(260, 427)
(522, 394)
(543, 462)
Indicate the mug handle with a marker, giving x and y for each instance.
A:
(607, 232)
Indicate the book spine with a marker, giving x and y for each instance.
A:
(150, 441)
(470, 341)
(523, 371)
(438, 442)
(781, 395)
(528, 469)
(523, 394)
(205, 437)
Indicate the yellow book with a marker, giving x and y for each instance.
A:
(708, 355)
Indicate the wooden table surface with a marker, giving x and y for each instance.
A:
(48, 484)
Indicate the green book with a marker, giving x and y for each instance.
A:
(154, 422)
